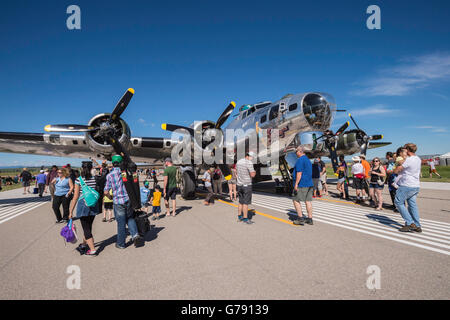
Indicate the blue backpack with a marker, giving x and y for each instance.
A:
(90, 196)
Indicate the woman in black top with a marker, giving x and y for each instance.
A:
(377, 175)
(84, 213)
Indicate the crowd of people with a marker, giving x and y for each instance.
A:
(401, 173)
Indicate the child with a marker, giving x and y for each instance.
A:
(156, 202)
(401, 157)
(145, 196)
(108, 207)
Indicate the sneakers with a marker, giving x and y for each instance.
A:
(82, 249)
(309, 221)
(137, 240)
(240, 218)
(91, 253)
(247, 221)
(405, 229)
(119, 247)
(415, 228)
(299, 222)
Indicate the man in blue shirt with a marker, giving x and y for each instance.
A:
(303, 186)
(40, 182)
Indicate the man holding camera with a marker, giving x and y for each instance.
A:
(303, 187)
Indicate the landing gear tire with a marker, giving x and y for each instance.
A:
(187, 185)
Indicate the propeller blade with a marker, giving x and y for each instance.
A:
(376, 137)
(374, 145)
(350, 115)
(342, 128)
(122, 104)
(225, 114)
(68, 128)
(173, 127)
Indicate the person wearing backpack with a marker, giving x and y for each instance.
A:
(217, 181)
(85, 213)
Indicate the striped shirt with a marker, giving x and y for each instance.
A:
(90, 183)
(243, 169)
(114, 182)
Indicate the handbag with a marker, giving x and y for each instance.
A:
(69, 233)
(90, 195)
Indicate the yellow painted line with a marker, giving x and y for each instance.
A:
(338, 201)
(262, 214)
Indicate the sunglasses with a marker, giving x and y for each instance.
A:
(376, 160)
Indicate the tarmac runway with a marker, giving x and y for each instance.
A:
(204, 253)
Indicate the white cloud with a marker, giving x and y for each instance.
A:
(377, 109)
(411, 74)
(143, 122)
(435, 129)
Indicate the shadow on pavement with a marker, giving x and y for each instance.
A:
(17, 201)
(181, 209)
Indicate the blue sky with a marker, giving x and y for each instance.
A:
(187, 60)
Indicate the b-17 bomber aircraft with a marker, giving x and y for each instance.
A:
(298, 119)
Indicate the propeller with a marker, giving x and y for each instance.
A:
(366, 138)
(121, 105)
(225, 114)
(219, 123)
(174, 127)
(68, 128)
(330, 143)
(117, 112)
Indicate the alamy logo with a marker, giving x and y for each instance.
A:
(74, 20)
(374, 280)
(374, 21)
(74, 280)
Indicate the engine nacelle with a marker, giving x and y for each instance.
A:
(96, 139)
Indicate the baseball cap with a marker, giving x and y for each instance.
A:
(168, 160)
(146, 183)
(251, 154)
(42, 171)
(116, 158)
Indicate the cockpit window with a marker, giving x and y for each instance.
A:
(317, 111)
(273, 113)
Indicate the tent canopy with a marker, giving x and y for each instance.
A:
(447, 155)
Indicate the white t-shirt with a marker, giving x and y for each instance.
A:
(431, 163)
(410, 175)
(207, 177)
(357, 168)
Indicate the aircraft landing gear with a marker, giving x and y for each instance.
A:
(186, 183)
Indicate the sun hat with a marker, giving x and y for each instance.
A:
(356, 158)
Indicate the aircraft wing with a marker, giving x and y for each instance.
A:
(150, 150)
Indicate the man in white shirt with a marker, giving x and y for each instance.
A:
(409, 186)
(433, 169)
(244, 174)
(358, 177)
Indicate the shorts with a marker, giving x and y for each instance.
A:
(244, 194)
(145, 204)
(108, 205)
(358, 183)
(232, 181)
(433, 170)
(25, 183)
(341, 180)
(171, 193)
(156, 209)
(376, 186)
(317, 184)
(304, 194)
(323, 178)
